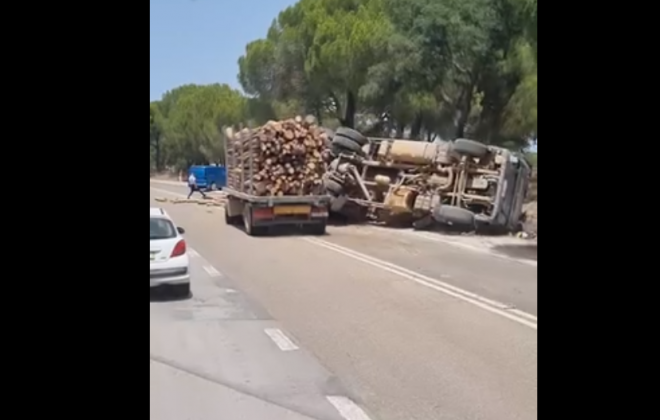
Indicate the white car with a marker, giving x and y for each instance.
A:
(170, 266)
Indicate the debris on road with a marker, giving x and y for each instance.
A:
(218, 201)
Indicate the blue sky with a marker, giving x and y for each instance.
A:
(199, 41)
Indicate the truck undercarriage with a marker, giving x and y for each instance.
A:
(464, 183)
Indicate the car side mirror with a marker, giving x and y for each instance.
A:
(180, 230)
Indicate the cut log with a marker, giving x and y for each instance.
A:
(280, 158)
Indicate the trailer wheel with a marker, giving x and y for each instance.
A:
(338, 203)
(469, 148)
(232, 220)
(351, 134)
(340, 144)
(250, 229)
(317, 229)
(453, 215)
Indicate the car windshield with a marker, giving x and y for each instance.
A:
(161, 229)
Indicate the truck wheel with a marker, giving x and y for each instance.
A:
(469, 148)
(318, 229)
(453, 215)
(338, 203)
(247, 223)
(351, 134)
(333, 187)
(329, 134)
(231, 220)
(340, 144)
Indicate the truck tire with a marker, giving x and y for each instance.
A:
(329, 133)
(469, 148)
(338, 203)
(317, 229)
(232, 220)
(453, 215)
(247, 224)
(333, 187)
(340, 144)
(351, 134)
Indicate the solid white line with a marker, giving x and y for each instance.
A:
(212, 271)
(347, 408)
(490, 305)
(192, 253)
(281, 340)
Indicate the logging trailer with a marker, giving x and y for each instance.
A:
(259, 213)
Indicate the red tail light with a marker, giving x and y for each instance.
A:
(179, 249)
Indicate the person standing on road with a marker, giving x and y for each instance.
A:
(192, 184)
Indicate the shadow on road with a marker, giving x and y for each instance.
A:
(279, 231)
(166, 295)
(525, 251)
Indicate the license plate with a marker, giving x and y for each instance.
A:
(286, 210)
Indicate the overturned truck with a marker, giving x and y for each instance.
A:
(463, 183)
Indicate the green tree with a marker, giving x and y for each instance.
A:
(193, 118)
(318, 54)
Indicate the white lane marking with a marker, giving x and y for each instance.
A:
(211, 271)
(347, 408)
(437, 238)
(281, 340)
(192, 253)
(490, 305)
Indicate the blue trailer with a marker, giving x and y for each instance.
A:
(209, 177)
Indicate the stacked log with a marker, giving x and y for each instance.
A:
(280, 158)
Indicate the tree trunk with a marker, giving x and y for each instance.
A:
(349, 111)
(400, 128)
(463, 113)
(416, 127)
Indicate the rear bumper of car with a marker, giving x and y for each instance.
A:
(174, 275)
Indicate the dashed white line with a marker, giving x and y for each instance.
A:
(490, 305)
(192, 253)
(347, 408)
(211, 271)
(280, 340)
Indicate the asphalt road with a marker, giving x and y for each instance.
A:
(396, 324)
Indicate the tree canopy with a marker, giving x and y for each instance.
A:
(414, 68)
